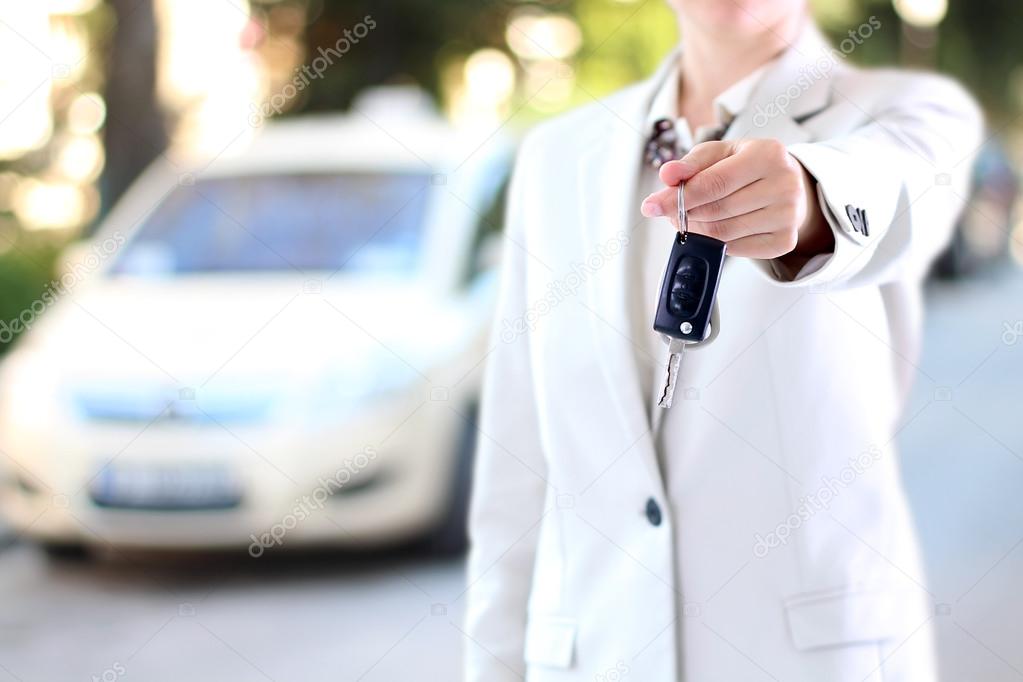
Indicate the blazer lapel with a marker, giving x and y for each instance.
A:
(608, 177)
(793, 89)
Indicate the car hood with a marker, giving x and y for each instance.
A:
(192, 331)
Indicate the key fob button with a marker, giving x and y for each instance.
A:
(687, 286)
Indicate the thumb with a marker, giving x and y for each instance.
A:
(700, 157)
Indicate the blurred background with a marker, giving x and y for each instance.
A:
(232, 429)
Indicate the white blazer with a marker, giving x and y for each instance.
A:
(790, 553)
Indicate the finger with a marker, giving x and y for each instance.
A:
(758, 194)
(722, 179)
(661, 203)
(713, 184)
(761, 221)
(700, 157)
(761, 246)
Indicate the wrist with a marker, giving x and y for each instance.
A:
(814, 235)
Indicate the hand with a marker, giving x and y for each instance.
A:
(751, 194)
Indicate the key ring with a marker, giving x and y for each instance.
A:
(683, 221)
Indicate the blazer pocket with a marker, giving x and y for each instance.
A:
(842, 617)
(550, 641)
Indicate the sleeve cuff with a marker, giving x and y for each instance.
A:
(842, 193)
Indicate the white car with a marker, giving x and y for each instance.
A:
(279, 348)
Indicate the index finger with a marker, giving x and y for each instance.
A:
(700, 157)
(720, 180)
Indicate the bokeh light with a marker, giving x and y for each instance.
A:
(922, 13)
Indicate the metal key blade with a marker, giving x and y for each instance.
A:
(676, 349)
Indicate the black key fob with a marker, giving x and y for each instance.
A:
(689, 287)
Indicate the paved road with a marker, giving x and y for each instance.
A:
(963, 465)
(305, 618)
(394, 617)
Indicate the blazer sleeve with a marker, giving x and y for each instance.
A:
(892, 189)
(509, 487)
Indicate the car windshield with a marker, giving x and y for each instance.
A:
(354, 222)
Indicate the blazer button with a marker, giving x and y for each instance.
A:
(653, 512)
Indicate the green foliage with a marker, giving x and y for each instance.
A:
(415, 42)
(979, 43)
(623, 40)
(411, 42)
(26, 268)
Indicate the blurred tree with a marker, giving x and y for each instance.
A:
(416, 42)
(26, 268)
(979, 43)
(30, 239)
(410, 42)
(623, 40)
(135, 133)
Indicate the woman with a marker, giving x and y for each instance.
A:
(760, 530)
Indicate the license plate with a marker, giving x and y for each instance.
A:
(183, 487)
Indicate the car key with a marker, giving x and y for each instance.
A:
(688, 292)
(676, 350)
